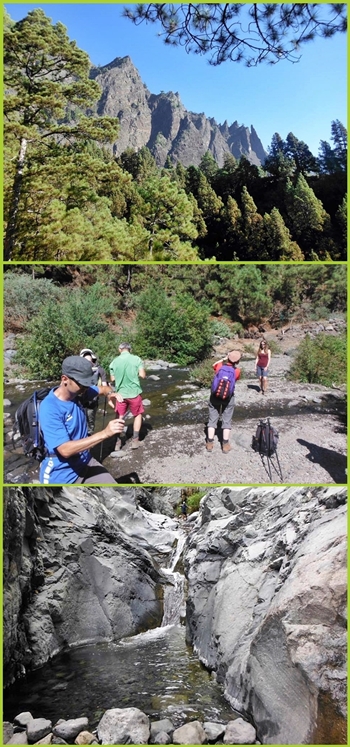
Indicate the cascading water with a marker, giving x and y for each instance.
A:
(174, 603)
(155, 671)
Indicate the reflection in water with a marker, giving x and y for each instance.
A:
(154, 671)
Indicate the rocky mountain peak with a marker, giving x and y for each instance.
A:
(162, 123)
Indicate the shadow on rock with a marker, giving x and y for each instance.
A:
(256, 387)
(330, 460)
(131, 478)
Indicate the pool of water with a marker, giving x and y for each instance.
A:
(154, 671)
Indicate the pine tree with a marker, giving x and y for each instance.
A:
(340, 140)
(307, 217)
(301, 154)
(277, 239)
(46, 80)
(251, 225)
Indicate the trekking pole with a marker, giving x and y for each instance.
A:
(103, 424)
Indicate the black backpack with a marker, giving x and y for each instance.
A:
(265, 440)
(27, 425)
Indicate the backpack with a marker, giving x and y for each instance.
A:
(27, 425)
(265, 440)
(223, 384)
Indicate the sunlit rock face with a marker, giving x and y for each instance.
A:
(267, 606)
(161, 122)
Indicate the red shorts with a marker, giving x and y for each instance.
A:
(134, 404)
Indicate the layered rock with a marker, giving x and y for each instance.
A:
(267, 604)
(78, 568)
(161, 122)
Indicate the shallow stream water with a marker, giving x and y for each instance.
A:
(154, 671)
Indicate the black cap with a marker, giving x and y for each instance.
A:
(79, 369)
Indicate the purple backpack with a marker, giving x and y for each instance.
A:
(223, 384)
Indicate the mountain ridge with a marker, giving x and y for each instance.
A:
(163, 124)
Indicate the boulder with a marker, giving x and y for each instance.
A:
(239, 732)
(69, 729)
(124, 726)
(213, 730)
(23, 719)
(38, 728)
(192, 733)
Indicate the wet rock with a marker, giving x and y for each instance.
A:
(68, 730)
(239, 732)
(146, 402)
(124, 726)
(7, 403)
(192, 733)
(38, 728)
(154, 377)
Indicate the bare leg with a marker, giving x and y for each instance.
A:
(211, 433)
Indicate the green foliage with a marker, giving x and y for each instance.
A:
(24, 297)
(193, 500)
(177, 328)
(321, 360)
(62, 327)
(221, 329)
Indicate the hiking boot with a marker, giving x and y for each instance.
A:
(226, 447)
(135, 443)
(209, 445)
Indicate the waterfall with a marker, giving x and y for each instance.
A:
(174, 602)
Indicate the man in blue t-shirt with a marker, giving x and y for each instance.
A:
(64, 428)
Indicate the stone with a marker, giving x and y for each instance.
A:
(213, 730)
(23, 719)
(46, 740)
(124, 726)
(7, 731)
(161, 738)
(69, 729)
(85, 737)
(18, 738)
(192, 733)
(38, 728)
(239, 732)
(164, 725)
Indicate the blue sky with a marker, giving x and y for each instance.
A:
(302, 98)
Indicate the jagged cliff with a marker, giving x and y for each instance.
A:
(161, 122)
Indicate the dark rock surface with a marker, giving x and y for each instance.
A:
(78, 568)
(161, 122)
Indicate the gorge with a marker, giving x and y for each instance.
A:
(265, 587)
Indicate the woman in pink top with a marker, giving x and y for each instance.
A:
(262, 363)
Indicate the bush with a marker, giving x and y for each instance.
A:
(203, 374)
(321, 360)
(221, 329)
(24, 297)
(177, 329)
(63, 328)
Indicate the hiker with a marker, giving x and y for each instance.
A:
(223, 407)
(126, 370)
(64, 428)
(184, 509)
(99, 378)
(262, 363)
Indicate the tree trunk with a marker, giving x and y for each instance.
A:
(17, 185)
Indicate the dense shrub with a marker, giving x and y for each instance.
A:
(175, 328)
(63, 327)
(321, 360)
(24, 297)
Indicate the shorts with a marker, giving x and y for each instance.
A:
(95, 473)
(134, 404)
(216, 408)
(261, 371)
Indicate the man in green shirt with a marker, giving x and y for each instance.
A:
(126, 370)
